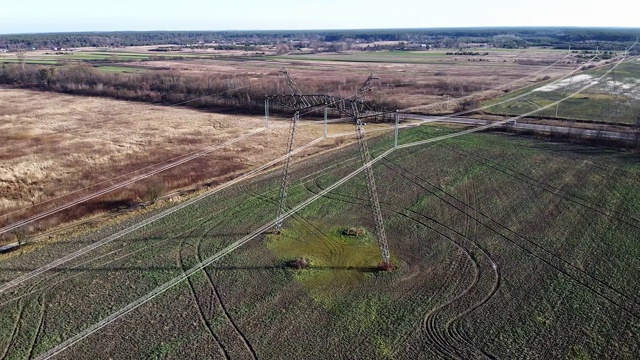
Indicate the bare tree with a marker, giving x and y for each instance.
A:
(46, 75)
(349, 43)
(20, 54)
(154, 191)
(282, 49)
(469, 104)
(315, 45)
(20, 235)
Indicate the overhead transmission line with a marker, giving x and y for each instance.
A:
(368, 164)
(337, 103)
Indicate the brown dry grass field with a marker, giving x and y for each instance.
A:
(407, 79)
(55, 144)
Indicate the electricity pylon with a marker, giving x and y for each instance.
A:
(355, 108)
(302, 104)
(381, 235)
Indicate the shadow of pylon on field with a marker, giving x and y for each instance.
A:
(175, 268)
(285, 266)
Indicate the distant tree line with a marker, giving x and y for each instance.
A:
(577, 38)
(205, 46)
(467, 53)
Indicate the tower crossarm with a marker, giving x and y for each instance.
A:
(293, 87)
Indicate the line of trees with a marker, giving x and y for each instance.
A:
(578, 38)
(234, 92)
(238, 91)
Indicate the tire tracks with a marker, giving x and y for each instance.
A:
(201, 312)
(624, 302)
(442, 343)
(245, 340)
(43, 310)
(20, 306)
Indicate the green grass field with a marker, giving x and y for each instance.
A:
(54, 58)
(400, 57)
(505, 247)
(121, 69)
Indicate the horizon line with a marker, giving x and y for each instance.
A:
(329, 29)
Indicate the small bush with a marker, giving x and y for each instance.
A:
(354, 232)
(299, 263)
(154, 191)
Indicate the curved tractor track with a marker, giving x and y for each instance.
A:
(204, 312)
(444, 340)
(28, 324)
(243, 337)
(632, 303)
(431, 330)
(622, 301)
(50, 279)
(54, 279)
(202, 297)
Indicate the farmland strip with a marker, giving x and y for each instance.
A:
(506, 85)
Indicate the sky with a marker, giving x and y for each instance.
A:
(32, 16)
